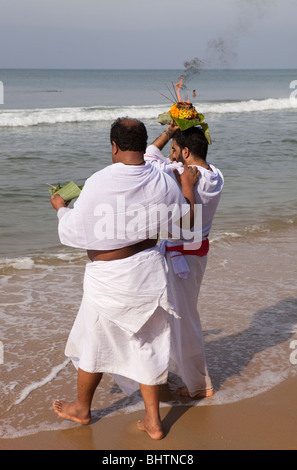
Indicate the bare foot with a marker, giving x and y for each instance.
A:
(70, 411)
(184, 392)
(154, 431)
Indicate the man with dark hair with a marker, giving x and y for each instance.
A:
(194, 140)
(187, 266)
(122, 326)
(129, 134)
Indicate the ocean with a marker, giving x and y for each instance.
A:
(54, 127)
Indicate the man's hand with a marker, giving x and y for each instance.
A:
(57, 202)
(164, 138)
(172, 128)
(190, 176)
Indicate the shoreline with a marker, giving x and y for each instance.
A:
(247, 306)
(265, 422)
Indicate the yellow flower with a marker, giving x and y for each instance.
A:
(183, 111)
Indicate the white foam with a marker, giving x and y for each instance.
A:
(225, 236)
(17, 263)
(23, 263)
(27, 390)
(73, 256)
(34, 117)
(239, 389)
(250, 106)
(9, 431)
(40, 262)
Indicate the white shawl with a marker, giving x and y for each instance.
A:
(122, 205)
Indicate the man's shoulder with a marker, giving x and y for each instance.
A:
(210, 182)
(102, 172)
(215, 172)
(218, 172)
(98, 178)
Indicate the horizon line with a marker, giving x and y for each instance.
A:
(147, 68)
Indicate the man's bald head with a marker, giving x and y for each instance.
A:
(129, 134)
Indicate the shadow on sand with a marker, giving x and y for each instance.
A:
(271, 326)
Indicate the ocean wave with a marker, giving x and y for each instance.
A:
(37, 261)
(35, 117)
(34, 386)
(250, 106)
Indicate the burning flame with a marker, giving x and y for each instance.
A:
(178, 86)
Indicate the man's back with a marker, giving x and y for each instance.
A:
(118, 207)
(207, 190)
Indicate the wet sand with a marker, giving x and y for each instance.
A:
(248, 349)
(265, 422)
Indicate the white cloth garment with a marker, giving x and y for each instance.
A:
(122, 326)
(208, 192)
(185, 275)
(123, 323)
(208, 189)
(178, 261)
(119, 206)
(187, 352)
(154, 156)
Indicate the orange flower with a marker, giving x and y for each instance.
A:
(183, 111)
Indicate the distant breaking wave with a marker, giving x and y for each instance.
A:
(35, 117)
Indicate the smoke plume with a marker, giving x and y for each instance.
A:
(221, 51)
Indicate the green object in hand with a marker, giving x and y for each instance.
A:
(67, 192)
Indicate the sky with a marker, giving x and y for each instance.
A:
(155, 34)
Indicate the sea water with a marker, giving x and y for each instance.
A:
(54, 127)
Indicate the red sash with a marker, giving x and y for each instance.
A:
(202, 251)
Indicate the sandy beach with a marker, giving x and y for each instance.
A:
(60, 96)
(265, 422)
(255, 404)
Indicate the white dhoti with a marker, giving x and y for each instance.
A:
(188, 359)
(122, 326)
(187, 351)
